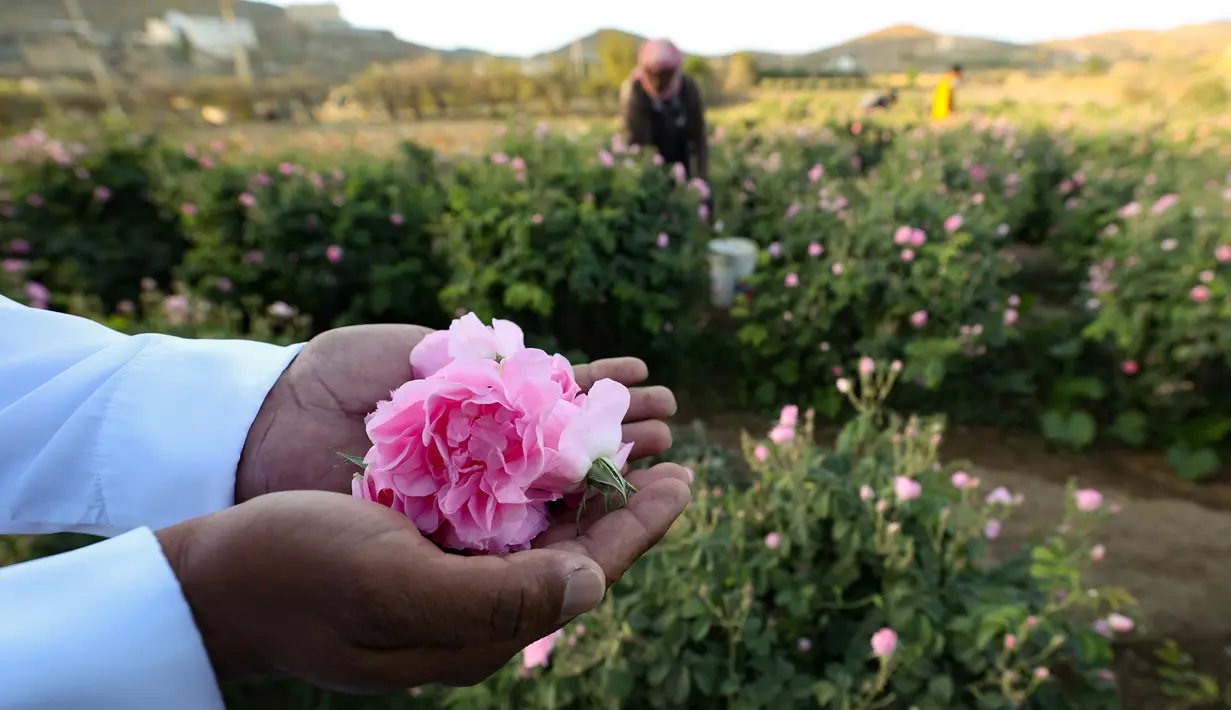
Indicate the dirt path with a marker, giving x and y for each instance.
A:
(1170, 546)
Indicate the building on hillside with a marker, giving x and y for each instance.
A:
(845, 65)
(207, 39)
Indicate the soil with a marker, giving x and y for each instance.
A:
(1170, 546)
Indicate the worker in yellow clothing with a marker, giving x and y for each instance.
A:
(942, 100)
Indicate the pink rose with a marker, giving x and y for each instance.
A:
(791, 280)
(919, 319)
(953, 223)
(1223, 253)
(1000, 496)
(468, 338)
(537, 654)
(1164, 203)
(1088, 500)
(38, 294)
(884, 643)
(789, 416)
(773, 540)
(782, 434)
(592, 433)
(961, 480)
(333, 253)
(177, 309)
(1200, 294)
(760, 453)
(1119, 623)
(464, 451)
(906, 488)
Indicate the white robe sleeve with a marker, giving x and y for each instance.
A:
(110, 434)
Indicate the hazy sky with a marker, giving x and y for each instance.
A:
(524, 27)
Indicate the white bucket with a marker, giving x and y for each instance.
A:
(731, 259)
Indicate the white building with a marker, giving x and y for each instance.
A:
(213, 37)
(845, 64)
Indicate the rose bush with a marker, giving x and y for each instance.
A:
(593, 243)
(976, 253)
(856, 577)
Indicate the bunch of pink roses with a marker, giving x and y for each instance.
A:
(487, 434)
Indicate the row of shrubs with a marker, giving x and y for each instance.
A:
(853, 578)
(1075, 281)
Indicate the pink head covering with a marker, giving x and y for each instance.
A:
(659, 55)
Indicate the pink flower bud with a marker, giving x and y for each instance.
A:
(1088, 500)
(884, 643)
(906, 488)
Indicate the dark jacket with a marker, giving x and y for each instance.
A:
(676, 127)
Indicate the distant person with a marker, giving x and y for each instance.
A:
(881, 101)
(662, 108)
(942, 101)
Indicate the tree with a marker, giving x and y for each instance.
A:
(742, 73)
(702, 72)
(912, 75)
(617, 57)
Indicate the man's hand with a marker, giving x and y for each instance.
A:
(347, 595)
(319, 404)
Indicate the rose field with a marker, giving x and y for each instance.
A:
(1003, 349)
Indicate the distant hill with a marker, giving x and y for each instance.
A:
(893, 49)
(906, 46)
(283, 41)
(586, 46)
(1181, 42)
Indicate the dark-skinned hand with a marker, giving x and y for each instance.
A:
(347, 595)
(320, 402)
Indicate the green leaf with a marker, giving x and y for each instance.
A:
(1076, 429)
(353, 459)
(618, 682)
(1081, 388)
(1131, 427)
(753, 334)
(940, 691)
(1066, 350)
(824, 692)
(1192, 464)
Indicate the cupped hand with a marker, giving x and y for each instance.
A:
(347, 595)
(319, 404)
